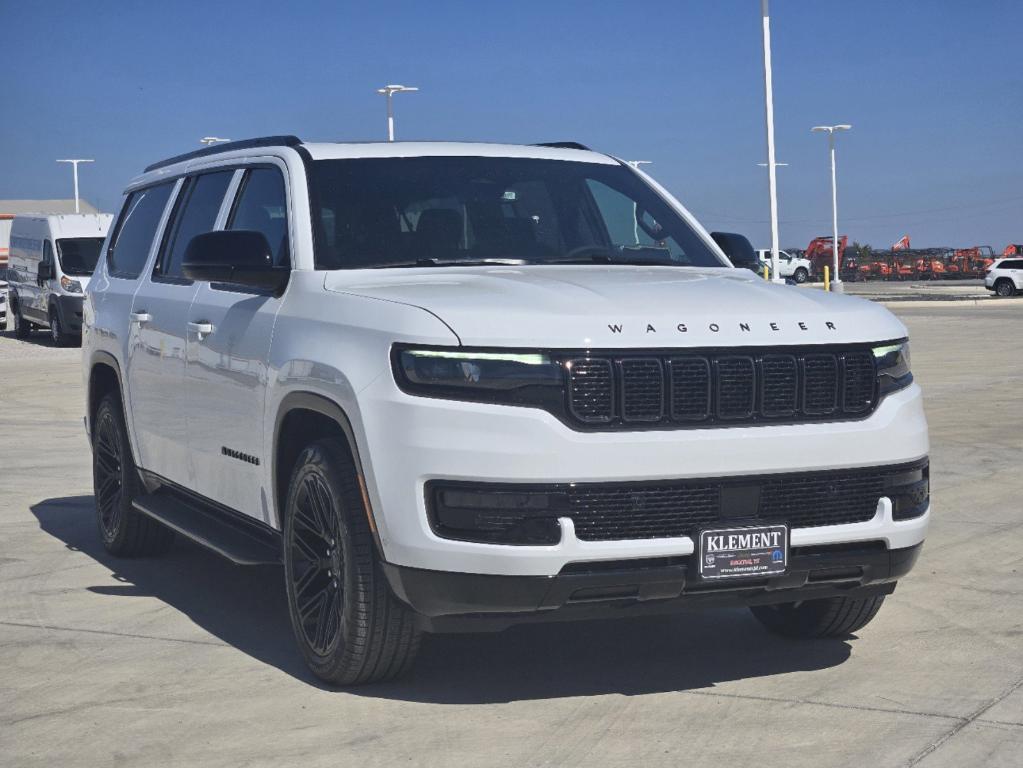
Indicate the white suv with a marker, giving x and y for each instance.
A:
(788, 266)
(460, 386)
(1005, 276)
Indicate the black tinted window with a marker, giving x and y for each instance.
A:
(195, 213)
(136, 227)
(262, 207)
(78, 255)
(376, 212)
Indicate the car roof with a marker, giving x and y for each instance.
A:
(567, 151)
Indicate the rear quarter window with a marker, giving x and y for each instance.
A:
(135, 230)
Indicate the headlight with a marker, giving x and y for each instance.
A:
(893, 372)
(526, 378)
(69, 285)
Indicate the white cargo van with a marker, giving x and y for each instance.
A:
(51, 259)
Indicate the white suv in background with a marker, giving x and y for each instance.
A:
(460, 386)
(788, 266)
(1005, 276)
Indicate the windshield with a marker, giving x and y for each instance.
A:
(438, 211)
(78, 255)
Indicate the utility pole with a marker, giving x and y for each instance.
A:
(74, 165)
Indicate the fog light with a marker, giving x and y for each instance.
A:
(494, 516)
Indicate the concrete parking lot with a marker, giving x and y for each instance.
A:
(188, 661)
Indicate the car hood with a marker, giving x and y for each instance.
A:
(623, 306)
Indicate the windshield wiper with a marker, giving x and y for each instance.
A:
(452, 263)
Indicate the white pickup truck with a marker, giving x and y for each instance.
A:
(788, 266)
(459, 386)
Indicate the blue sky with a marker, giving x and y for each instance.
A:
(934, 90)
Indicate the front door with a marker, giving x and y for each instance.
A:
(228, 346)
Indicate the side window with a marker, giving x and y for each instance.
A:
(136, 227)
(261, 206)
(194, 213)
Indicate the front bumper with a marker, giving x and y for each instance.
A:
(406, 441)
(69, 309)
(452, 602)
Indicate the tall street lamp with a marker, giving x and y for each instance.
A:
(831, 129)
(772, 180)
(389, 91)
(74, 165)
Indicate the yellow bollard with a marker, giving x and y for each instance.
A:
(827, 279)
(766, 273)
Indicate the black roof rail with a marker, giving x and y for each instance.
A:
(563, 145)
(227, 146)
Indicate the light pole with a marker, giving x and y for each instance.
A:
(635, 206)
(772, 181)
(836, 279)
(211, 140)
(389, 91)
(74, 165)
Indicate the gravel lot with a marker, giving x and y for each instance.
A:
(188, 661)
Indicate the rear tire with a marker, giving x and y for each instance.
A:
(124, 531)
(829, 617)
(348, 625)
(1004, 287)
(801, 275)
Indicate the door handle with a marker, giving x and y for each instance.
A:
(201, 329)
(140, 317)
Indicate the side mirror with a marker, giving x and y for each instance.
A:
(738, 250)
(45, 271)
(237, 256)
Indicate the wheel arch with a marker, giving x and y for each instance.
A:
(104, 377)
(301, 418)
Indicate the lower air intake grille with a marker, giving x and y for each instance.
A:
(517, 513)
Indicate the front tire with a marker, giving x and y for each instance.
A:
(348, 625)
(829, 617)
(801, 275)
(60, 339)
(124, 531)
(1005, 288)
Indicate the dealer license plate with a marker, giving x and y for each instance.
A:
(748, 551)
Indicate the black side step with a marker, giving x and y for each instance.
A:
(240, 541)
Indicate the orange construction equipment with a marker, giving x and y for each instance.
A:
(819, 252)
(1013, 250)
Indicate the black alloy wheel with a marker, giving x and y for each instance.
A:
(1005, 288)
(108, 476)
(124, 531)
(348, 625)
(315, 565)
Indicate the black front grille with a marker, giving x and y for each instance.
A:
(515, 513)
(641, 390)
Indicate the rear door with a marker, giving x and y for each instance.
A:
(228, 344)
(131, 244)
(156, 357)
